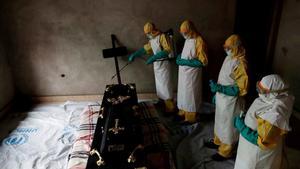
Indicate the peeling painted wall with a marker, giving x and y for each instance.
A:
(6, 81)
(287, 54)
(55, 46)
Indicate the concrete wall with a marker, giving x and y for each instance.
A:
(55, 45)
(287, 54)
(6, 82)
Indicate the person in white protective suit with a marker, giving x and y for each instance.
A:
(232, 84)
(265, 125)
(191, 61)
(160, 50)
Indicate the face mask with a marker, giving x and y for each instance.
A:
(228, 52)
(266, 98)
(149, 36)
(184, 36)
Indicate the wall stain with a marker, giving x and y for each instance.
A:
(284, 51)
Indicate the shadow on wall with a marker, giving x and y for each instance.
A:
(292, 139)
(22, 103)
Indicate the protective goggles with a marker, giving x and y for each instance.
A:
(262, 90)
(226, 48)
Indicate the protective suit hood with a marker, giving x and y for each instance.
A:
(150, 29)
(275, 92)
(188, 29)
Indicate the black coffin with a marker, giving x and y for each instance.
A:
(118, 138)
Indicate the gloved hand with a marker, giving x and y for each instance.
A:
(189, 62)
(178, 58)
(239, 123)
(213, 86)
(159, 55)
(213, 100)
(245, 131)
(230, 90)
(136, 54)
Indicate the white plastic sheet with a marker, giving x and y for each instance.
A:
(42, 137)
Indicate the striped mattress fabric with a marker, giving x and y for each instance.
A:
(158, 153)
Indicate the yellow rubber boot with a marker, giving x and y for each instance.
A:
(224, 150)
(217, 141)
(170, 107)
(181, 113)
(190, 117)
